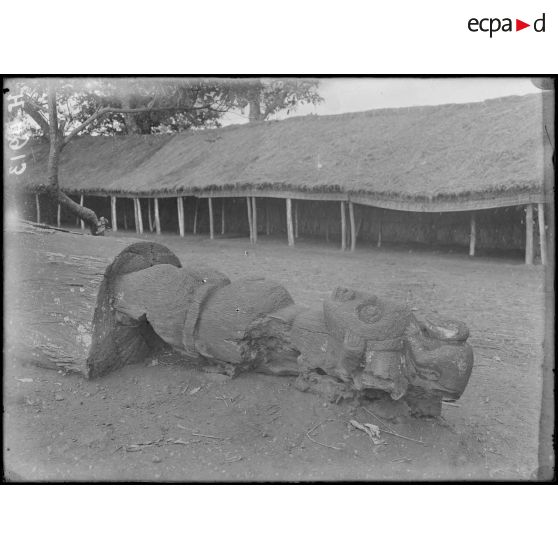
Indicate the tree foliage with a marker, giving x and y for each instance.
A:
(191, 102)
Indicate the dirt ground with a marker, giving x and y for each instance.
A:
(170, 422)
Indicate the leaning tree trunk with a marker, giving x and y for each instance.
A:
(53, 186)
(58, 297)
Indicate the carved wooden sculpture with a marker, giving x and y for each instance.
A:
(357, 343)
(94, 313)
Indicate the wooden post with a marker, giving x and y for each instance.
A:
(542, 233)
(180, 206)
(254, 220)
(249, 208)
(140, 218)
(58, 215)
(38, 208)
(136, 214)
(195, 228)
(267, 222)
(353, 228)
(157, 220)
(529, 235)
(81, 203)
(473, 237)
(113, 223)
(296, 218)
(222, 215)
(343, 228)
(210, 207)
(380, 231)
(125, 212)
(149, 215)
(290, 232)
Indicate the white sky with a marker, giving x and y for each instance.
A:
(358, 94)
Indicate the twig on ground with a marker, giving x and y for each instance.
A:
(207, 436)
(450, 403)
(404, 437)
(318, 442)
(391, 430)
(378, 419)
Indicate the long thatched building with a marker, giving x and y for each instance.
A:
(472, 174)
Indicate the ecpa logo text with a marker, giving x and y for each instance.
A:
(494, 24)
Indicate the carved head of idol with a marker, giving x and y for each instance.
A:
(369, 331)
(364, 315)
(440, 359)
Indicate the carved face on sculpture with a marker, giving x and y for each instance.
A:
(441, 360)
(364, 315)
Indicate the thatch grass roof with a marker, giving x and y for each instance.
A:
(456, 150)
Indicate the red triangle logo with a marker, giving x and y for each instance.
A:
(519, 25)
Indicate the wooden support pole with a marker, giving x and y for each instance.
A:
(343, 228)
(353, 228)
(249, 208)
(380, 231)
(473, 237)
(290, 231)
(58, 210)
(254, 220)
(38, 208)
(195, 228)
(180, 206)
(81, 203)
(222, 215)
(529, 234)
(296, 218)
(113, 223)
(210, 208)
(149, 215)
(125, 217)
(139, 218)
(136, 214)
(267, 220)
(542, 233)
(157, 219)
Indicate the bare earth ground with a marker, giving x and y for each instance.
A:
(170, 422)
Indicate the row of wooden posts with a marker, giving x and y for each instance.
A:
(292, 224)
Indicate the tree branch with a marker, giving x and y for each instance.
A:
(32, 109)
(107, 110)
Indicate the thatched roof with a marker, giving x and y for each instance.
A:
(433, 152)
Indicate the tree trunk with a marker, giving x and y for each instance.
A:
(255, 112)
(53, 187)
(132, 127)
(59, 316)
